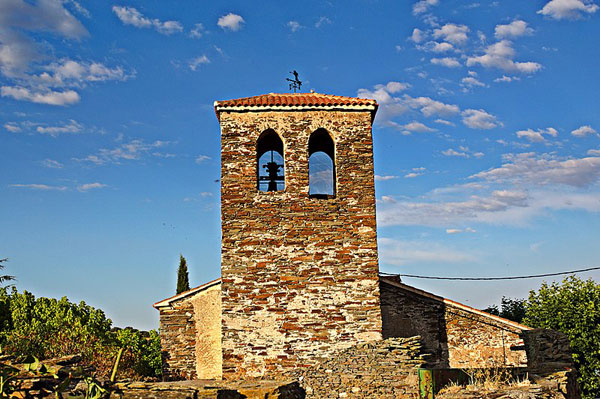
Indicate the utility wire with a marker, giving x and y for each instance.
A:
(492, 278)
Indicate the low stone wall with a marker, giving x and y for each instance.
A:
(200, 389)
(178, 342)
(478, 340)
(549, 361)
(547, 350)
(379, 369)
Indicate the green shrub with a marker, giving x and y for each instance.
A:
(46, 328)
(572, 307)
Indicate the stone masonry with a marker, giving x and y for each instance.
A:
(190, 333)
(300, 291)
(299, 274)
(381, 369)
(456, 335)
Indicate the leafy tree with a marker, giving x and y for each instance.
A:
(183, 280)
(572, 307)
(510, 308)
(5, 278)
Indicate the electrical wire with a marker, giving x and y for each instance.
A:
(491, 278)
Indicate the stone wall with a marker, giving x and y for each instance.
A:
(380, 369)
(209, 390)
(300, 275)
(456, 336)
(177, 338)
(190, 333)
(476, 340)
(550, 362)
(207, 318)
(406, 314)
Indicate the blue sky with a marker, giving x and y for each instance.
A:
(487, 154)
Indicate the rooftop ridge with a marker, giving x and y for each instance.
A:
(296, 102)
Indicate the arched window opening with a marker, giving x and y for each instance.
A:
(321, 165)
(269, 162)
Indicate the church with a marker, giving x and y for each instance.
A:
(300, 276)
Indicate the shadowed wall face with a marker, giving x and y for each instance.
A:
(456, 336)
(299, 273)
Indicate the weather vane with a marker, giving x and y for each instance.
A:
(295, 83)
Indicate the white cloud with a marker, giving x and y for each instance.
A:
(537, 136)
(31, 69)
(47, 15)
(12, 127)
(500, 55)
(133, 150)
(90, 186)
(231, 21)
(197, 31)
(202, 158)
(422, 6)
(507, 79)
(470, 81)
(294, 26)
(322, 21)
(131, 16)
(384, 178)
(399, 253)
(455, 34)
(389, 106)
(417, 36)
(430, 107)
(527, 168)
(47, 96)
(583, 131)
(394, 87)
(17, 50)
(444, 122)
(52, 164)
(496, 196)
(514, 29)
(196, 62)
(54, 131)
(479, 119)
(453, 153)
(595, 153)
(441, 47)
(43, 187)
(417, 127)
(449, 62)
(412, 175)
(458, 231)
(463, 152)
(77, 74)
(568, 9)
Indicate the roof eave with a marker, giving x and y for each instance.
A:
(167, 302)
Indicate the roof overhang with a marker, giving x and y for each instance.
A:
(449, 302)
(165, 303)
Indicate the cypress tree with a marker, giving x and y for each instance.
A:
(183, 280)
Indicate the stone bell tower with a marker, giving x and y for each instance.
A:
(299, 247)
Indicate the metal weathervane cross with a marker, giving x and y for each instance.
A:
(295, 83)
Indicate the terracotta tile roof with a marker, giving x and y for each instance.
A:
(296, 102)
(296, 99)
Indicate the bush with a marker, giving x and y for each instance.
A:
(572, 307)
(46, 328)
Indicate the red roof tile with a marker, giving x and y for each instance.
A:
(296, 99)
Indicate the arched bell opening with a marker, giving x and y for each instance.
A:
(321, 165)
(270, 163)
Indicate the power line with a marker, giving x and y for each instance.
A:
(492, 278)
